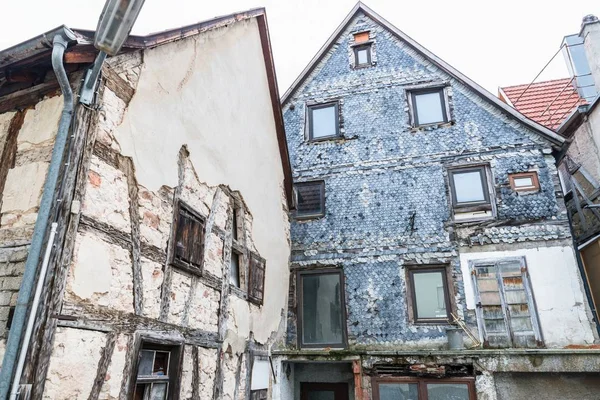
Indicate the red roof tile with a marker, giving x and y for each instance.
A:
(548, 103)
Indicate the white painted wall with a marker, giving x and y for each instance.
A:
(557, 289)
(210, 92)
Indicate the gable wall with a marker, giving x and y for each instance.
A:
(387, 198)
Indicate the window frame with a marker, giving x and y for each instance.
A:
(485, 204)
(422, 384)
(300, 310)
(194, 215)
(310, 108)
(299, 216)
(534, 315)
(413, 93)
(535, 187)
(362, 46)
(412, 299)
(174, 377)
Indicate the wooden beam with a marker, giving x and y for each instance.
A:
(79, 57)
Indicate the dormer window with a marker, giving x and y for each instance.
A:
(428, 106)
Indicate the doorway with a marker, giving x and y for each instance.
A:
(324, 391)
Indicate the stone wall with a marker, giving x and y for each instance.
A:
(26, 142)
(387, 200)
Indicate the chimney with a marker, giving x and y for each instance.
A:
(582, 59)
(590, 33)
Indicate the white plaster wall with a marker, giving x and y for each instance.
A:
(557, 289)
(210, 92)
(591, 35)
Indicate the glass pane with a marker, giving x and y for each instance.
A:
(429, 294)
(321, 309)
(447, 391)
(362, 56)
(234, 278)
(140, 390)
(468, 187)
(398, 391)
(323, 122)
(487, 285)
(515, 296)
(487, 271)
(146, 362)
(523, 182)
(429, 108)
(489, 297)
(321, 395)
(159, 391)
(161, 363)
(522, 324)
(510, 268)
(495, 325)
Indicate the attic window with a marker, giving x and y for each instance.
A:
(428, 106)
(310, 199)
(524, 182)
(324, 121)
(362, 55)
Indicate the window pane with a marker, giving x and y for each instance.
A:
(363, 56)
(430, 295)
(310, 198)
(146, 362)
(468, 187)
(523, 182)
(159, 391)
(161, 363)
(429, 108)
(321, 309)
(398, 391)
(323, 122)
(140, 390)
(321, 395)
(447, 391)
(234, 278)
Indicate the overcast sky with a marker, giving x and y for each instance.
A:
(495, 43)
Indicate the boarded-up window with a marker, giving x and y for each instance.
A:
(189, 239)
(310, 198)
(505, 307)
(256, 283)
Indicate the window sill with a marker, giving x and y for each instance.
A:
(329, 139)
(455, 222)
(187, 268)
(363, 66)
(308, 217)
(431, 127)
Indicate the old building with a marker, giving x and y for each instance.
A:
(570, 107)
(168, 273)
(431, 251)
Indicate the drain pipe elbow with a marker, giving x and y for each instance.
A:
(17, 344)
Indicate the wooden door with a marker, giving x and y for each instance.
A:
(324, 391)
(591, 263)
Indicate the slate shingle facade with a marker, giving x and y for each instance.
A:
(386, 184)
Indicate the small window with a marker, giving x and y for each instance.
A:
(321, 309)
(390, 388)
(506, 312)
(524, 182)
(428, 106)
(429, 294)
(156, 372)
(323, 121)
(310, 199)
(256, 284)
(470, 194)
(189, 239)
(234, 277)
(362, 55)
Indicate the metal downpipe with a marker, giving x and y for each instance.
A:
(60, 43)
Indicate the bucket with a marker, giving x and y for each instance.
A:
(455, 338)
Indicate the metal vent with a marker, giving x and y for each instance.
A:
(310, 199)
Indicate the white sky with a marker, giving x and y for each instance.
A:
(496, 43)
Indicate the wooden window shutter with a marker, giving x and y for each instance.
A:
(256, 282)
(189, 239)
(311, 199)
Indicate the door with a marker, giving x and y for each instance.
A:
(324, 391)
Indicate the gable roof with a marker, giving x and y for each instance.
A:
(33, 58)
(546, 133)
(548, 103)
